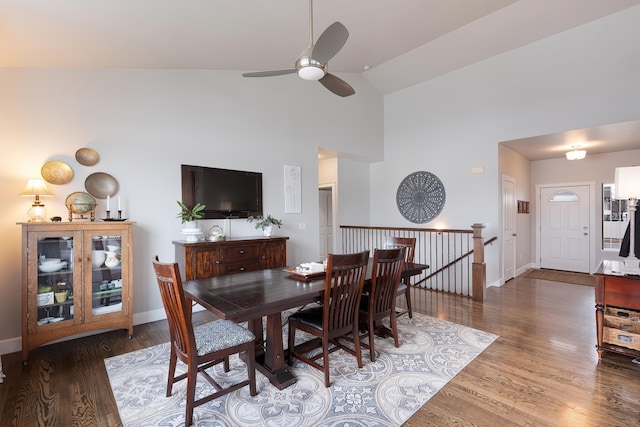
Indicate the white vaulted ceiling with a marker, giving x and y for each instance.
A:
(425, 37)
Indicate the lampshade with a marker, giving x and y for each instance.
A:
(576, 154)
(627, 181)
(36, 187)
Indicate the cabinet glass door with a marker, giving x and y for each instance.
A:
(108, 267)
(54, 259)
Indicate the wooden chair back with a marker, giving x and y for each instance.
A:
(177, 310)
(385, 278)
(406, 242)
(342, 290)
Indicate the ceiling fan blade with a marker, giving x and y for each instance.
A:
(330, 42)
(269, 73)
(336, 85)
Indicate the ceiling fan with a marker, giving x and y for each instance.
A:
(312, 62)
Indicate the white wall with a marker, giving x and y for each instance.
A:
(144, 124)
(581, 78)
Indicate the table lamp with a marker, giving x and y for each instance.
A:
(37, 188)
(627, 186)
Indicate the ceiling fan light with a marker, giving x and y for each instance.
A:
(311, 72)
(576, 154)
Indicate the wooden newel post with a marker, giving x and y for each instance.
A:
(479, 268)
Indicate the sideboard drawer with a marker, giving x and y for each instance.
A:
(622, 292)
(239, 267)
(238, 253)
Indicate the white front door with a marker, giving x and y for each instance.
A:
(508, 228)
(565, 237)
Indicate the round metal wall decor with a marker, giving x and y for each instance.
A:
(420, 197)
(87, 156)
(100, 185)
(56, 172)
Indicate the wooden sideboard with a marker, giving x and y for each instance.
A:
(204, 259)
(617, 310)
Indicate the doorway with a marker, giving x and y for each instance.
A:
(326, 220)
(565, 220)
(508, 228)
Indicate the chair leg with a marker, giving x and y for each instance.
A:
(356, 342)
(251, 368)
(372, 352)
(408, 296)
(192, 374)
(292, 336)
(393, 320)
(325, 361)
(172, 370)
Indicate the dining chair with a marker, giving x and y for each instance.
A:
(201, 347)
(336, 318)
(380, 302)
(410, 244)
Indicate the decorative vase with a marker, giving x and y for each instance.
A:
(267, 230)
(190, 225)
(113, 259)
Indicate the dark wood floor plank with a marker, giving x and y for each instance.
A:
(543, 369)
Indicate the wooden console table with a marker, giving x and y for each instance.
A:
(617, 310)
(203, 259)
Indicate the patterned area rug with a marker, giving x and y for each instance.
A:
(562, 276)
(383, 393)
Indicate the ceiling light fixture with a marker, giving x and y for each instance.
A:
(576, 154)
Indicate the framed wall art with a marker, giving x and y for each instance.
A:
(292, 189)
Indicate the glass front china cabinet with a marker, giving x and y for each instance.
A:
(77, 277)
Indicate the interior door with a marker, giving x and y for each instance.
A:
(326, 221)
(508, 228)
(565, 238)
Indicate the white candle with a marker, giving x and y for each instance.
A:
(118, 202)
(108, 203)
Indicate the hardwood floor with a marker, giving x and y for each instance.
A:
(542, 371)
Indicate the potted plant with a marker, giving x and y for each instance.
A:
(265, 223)
(189, 215)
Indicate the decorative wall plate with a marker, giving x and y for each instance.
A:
(100, 185)
(420, 197)
(56, 172)
(87, 156)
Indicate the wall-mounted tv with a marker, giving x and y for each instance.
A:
(227, 193)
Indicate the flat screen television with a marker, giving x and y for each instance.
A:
(226, 193)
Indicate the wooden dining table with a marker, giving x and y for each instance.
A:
(250, 296)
